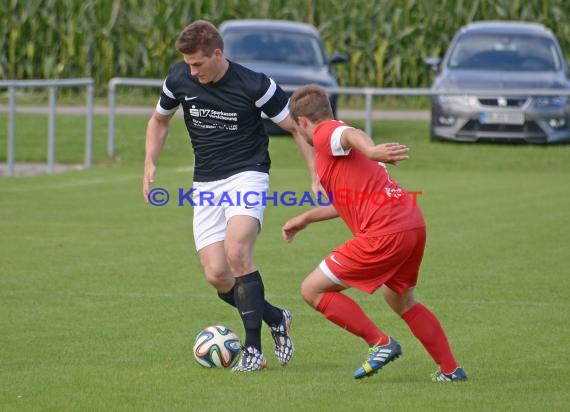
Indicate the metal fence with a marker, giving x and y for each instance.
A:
(52, 85)
(366, 92)
(112, 92)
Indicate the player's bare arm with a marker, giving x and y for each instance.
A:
(156, 133)
(386, 152)
(306, 150)
(300, 222)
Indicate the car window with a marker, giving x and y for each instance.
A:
(505, 52)
(275, 46)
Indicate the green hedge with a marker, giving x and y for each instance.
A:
(386, 40)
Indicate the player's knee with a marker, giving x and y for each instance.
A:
(219, 278)
(308, 294)
(221, 284)
(239, 259)
(401, 303)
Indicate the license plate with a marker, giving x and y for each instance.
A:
(501, 118)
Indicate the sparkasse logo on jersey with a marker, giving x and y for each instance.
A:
(213, 114)
(199, 112)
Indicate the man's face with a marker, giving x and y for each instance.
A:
(205, 69)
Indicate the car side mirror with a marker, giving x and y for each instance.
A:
(338, 58)
(433, 62)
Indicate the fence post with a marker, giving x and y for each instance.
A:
(89, 128)
(368, 127)
(51, 129)
(111, 116)
(10, 155)
(112, 87)
(52, 85)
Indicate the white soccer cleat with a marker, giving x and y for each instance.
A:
(251, 360)
(284, 347)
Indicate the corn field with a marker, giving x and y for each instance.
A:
(386, 40)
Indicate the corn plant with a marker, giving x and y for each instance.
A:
(386, 40)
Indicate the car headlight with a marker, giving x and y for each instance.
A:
(454, 99)
(550, 101)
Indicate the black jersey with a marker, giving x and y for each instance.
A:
(224, 118)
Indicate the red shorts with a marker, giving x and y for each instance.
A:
(368, 263)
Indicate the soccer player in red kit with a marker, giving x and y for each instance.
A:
(387, 246)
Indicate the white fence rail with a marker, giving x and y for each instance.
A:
(112, 92)
(368, 93)
(52, 85)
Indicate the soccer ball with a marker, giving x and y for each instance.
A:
(217, 347)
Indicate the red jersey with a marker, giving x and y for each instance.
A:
(363, 193)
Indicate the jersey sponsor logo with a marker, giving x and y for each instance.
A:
(213, 119)
(199, 112)
(213, 114)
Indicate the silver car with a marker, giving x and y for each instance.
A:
(502, 57)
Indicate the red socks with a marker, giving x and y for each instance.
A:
(345, 312)
(426, 328)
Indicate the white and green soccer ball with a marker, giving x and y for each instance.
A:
(217, 347)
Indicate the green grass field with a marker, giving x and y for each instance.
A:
(101, 295)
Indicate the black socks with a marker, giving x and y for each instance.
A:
(272, 315)
(248, 296)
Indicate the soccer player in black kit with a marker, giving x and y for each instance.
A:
(222, 103)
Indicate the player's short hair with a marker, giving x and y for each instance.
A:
(312, 102)
(200, 35)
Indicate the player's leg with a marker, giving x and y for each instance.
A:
(210, 224)
(324, 295)
(428, 330)
(359, 262)
(399, 294)
(244, 222)
(399, 302)
(249, 293)
(323, 291)
(216, 268)
(220, 276)
(209, 228)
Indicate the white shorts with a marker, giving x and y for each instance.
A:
(216, 202)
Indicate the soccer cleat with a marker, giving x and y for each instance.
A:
(284, 347)
(378, 356)
(457, 375)
(251, 360)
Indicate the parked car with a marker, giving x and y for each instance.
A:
(501, 56)
(291, 53)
